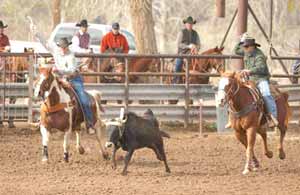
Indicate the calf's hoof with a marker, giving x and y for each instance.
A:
(282, 155)
(168, 170)
(269, 154)
(81, 150)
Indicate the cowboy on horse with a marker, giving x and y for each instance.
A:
(81, 43)
(188, 42)
(256, 70)
(65, 66)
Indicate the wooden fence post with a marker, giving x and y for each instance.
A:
(187, 95)
(126, 97)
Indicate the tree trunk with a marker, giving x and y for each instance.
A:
(56, 12)
(143, 26)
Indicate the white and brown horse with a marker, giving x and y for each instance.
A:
(61, 110)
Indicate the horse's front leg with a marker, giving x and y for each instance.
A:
(66, 146)
(99, 137)
(45, 140)
(251, 136)
(263, 134)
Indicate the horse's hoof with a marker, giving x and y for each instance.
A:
(66, 157)
(168, 170)
(246, 171)
(282, 154)
(81, 150)
(44, 159)
(105, 155)
(124, 173)
(269, 154)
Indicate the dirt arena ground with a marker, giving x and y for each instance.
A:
(200, 165)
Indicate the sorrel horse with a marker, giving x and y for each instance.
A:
(247, 116)
(61, 110)
(205, 65)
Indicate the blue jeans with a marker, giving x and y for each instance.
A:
(84, 99)
(264, 89)
(178, 69)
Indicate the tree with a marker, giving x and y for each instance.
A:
(143, 26)
(56, 13)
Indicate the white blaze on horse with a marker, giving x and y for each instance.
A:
(61, 110)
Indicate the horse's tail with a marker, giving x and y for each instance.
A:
(97, 96)
(288, 109)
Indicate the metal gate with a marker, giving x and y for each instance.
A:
(15, 87)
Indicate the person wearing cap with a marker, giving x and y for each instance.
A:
(66, 66)
(188, 42)
(257, 70)
(114, 41)
(81, 43)
(4, 41)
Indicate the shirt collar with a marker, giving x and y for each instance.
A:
(80, 32)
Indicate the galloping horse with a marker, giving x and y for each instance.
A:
(61, 110)
(247, 115)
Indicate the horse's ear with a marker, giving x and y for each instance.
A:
(216, 48)
(221, 48)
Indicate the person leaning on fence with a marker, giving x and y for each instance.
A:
(81, 43)
(188, 42)
(115, 42)
(4, 40)
(256, 70)
(4, 47)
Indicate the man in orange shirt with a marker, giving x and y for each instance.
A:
(114, 41)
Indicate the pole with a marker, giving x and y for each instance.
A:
(200, 117)
(220, 6)
(187, 95)
(271, 25)
(242, 24)
(30, 88)
(126, 97)
(229, 27)
(269, 41)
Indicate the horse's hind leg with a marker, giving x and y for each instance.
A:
(263, 134)
(282, 130)
(99, 137)
(80, 149)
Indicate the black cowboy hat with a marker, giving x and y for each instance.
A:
(189, 20)
(115, 26)
(249, 42)
(82, 23)
(2, 25)
(63, 43)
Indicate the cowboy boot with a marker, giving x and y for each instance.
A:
(272, 121)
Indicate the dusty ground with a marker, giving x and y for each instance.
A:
(206, 165)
